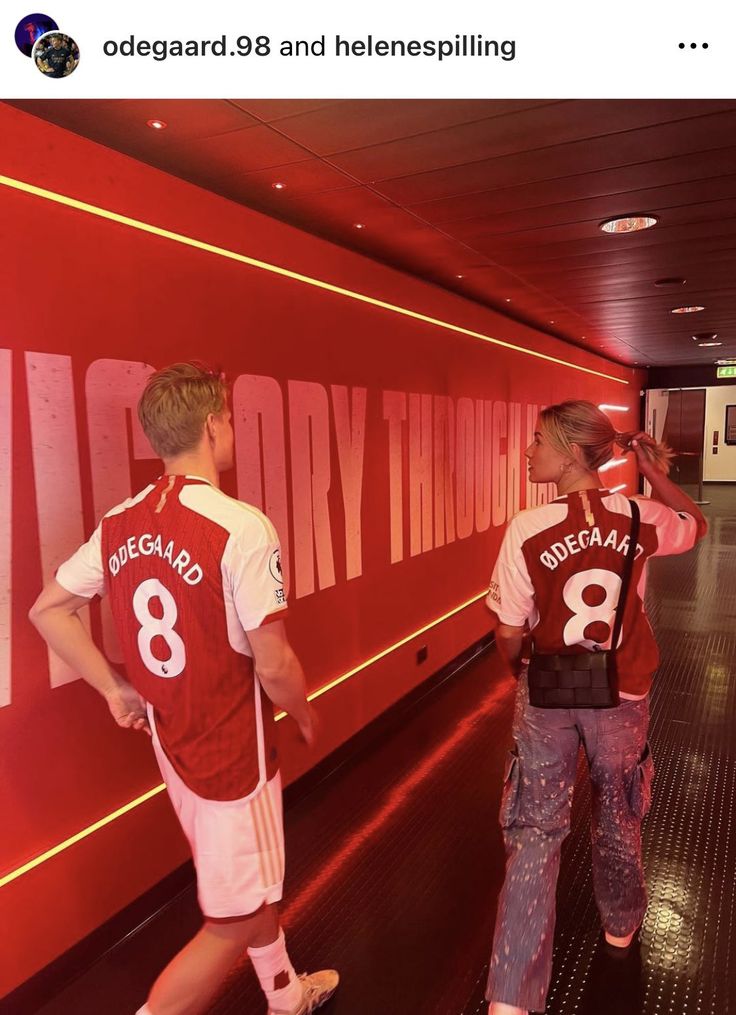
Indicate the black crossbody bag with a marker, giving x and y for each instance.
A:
(584, 679)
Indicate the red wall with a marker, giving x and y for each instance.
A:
(89, 307)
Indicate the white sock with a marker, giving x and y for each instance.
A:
(271, 963)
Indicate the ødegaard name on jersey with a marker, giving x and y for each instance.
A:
(148, 546)
(574, 543)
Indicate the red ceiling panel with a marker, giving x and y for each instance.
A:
(102, 119)
(506, 194)
(271, 110)
(660, 201)
(364, 123)
(660, 261)
(578, 242)
(299, 179)
(239, 151)
(610, 269)
(604, 183)
(590, 292)
(711, 131)
(581, 239)
(657, 308)
(526, 131)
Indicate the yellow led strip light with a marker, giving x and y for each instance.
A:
(188, 241)
(380, 655)
(7, 878)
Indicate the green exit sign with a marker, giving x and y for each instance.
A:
(726, 371)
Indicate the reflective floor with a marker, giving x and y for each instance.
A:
(394, 860)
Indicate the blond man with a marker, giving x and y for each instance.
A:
(195, 587)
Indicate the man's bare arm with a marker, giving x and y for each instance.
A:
(55, 617)
(281, 674)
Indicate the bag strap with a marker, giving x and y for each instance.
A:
(626, 576)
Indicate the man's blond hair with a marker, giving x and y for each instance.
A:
(175, 404)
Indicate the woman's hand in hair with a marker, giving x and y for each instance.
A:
(663, 489)
(644, 447)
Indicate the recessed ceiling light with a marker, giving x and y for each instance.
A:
(508, 299)
(662, 283)
(708, 345)
(278, 185)
(687, 310)
(628, 224)
(551, 322)
(459, 276)
(157, 124)
(358, 225)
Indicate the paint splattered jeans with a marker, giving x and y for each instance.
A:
(535, 818)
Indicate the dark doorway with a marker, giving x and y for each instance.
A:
(684, 427)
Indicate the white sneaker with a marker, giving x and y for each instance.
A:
(318, 989)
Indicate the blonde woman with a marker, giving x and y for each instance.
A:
(558, 575)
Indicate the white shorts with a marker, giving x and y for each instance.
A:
(237, 845)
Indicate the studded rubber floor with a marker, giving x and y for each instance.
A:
(395, 860)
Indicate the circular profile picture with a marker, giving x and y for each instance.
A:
(56, 55)
(30, 29)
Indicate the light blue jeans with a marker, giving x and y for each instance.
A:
(535, 818)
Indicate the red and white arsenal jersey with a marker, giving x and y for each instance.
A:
(189, 571)
(560, 567)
